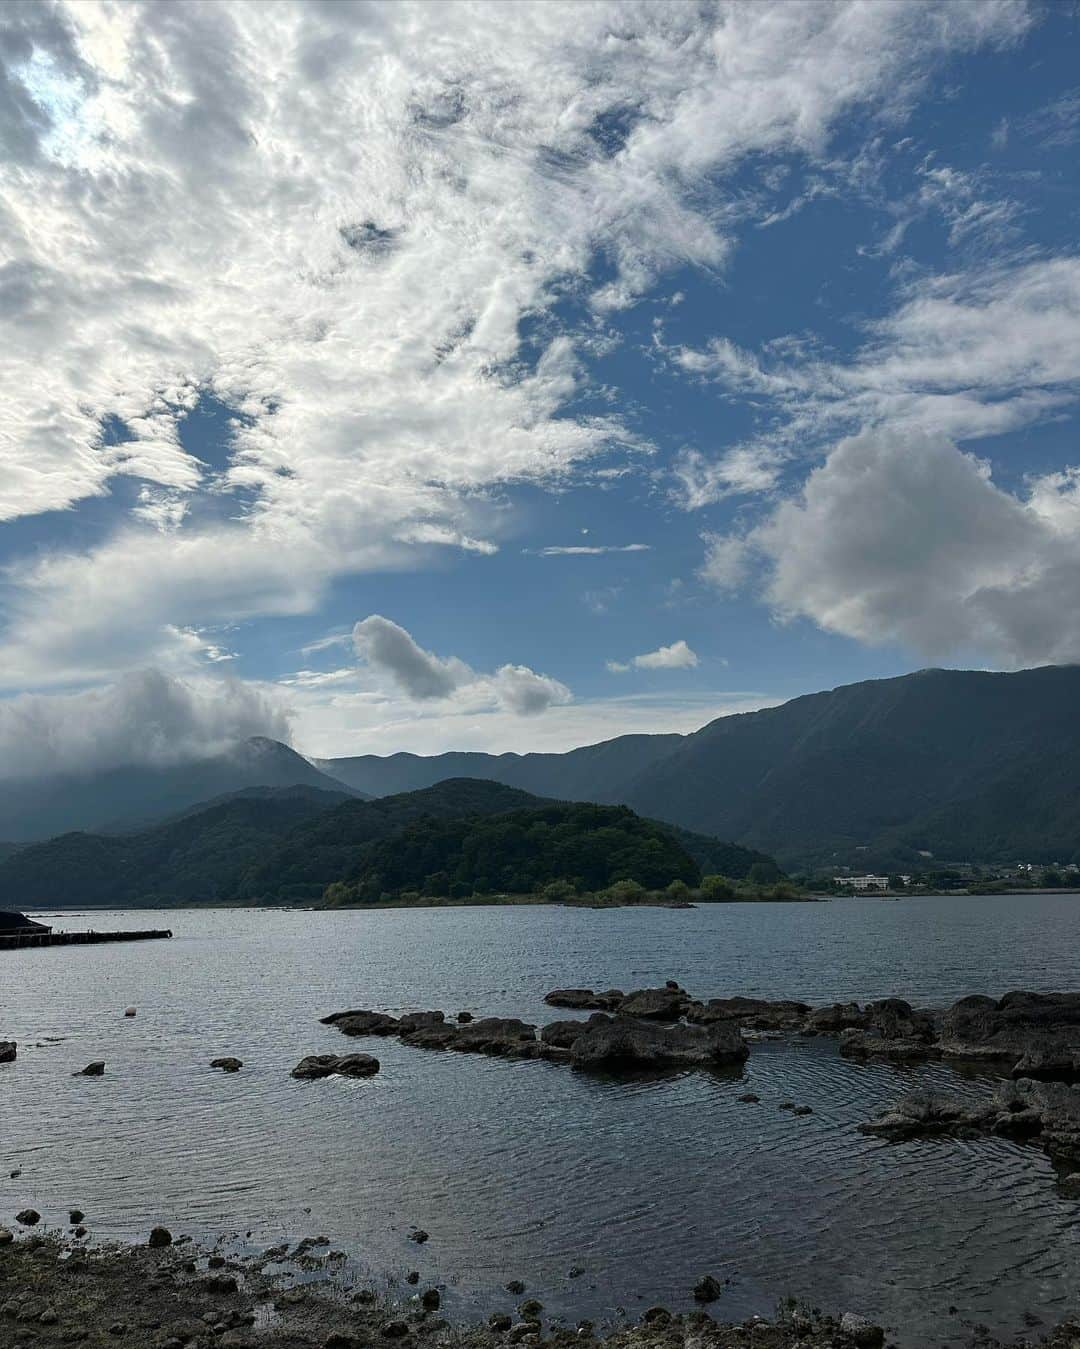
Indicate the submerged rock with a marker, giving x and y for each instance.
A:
(8, 1051)
(707, 1289)
(626, 1041)
(327, 1065)
(227, 1065)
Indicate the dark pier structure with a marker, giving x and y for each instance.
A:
(17, 932)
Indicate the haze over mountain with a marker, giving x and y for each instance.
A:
(961, 764)
(129, 795)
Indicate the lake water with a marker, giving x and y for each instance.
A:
(527, 1169)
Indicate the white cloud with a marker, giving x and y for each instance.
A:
(334, 219)
(361, 723)
(590, 550)
(387, 649)
(937, 366)
(677, 656)
(903, 538)
(145, 718)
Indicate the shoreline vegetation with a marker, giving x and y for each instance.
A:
(62, 1289)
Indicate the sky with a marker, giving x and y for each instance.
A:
(411, 376)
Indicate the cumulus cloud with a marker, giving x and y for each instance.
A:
(334, 219)
(677, 656)
(904, 538)
(388, 649)
(145, 718)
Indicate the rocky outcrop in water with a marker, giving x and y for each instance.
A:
(1039, 1032)
(8, 1051)
(625, 1041)
(1048, 1112)
(327, 1065)
(751, 1013)
(584, 999)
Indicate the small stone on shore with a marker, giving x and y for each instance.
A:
(29, 1217)
(500, 1321)
(431, 1300)
(160, 1236)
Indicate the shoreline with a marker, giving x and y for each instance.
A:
(62, 1289)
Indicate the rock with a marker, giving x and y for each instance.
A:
(707, 1289)
(895, 1019)
(430, 1300)
(584, 999)
(750, 1013)
(413, 1276)
(832, 1020)
(865, 1044)
(218, 1283)
(530, 1309)
(516, 1286)
(340, 1339)
(48, 1317)
(327, 1065)
(575, 1271)
(160, 1236)
(862, 1330)
(129, 1011)
(655, 1004)
(227, 1065)
(522, 1331)
(924, 1112)
(803, 1110)
(748, 1098)
(6, 1237)
(413, 1021)
(362, 1023)
(656, 1316)
(627, 1042)
(79, 1232)
(95, 1069)
(464, 1017)
(29, 1217)
(76, 1216)
(562, 1034)
(500, 1321)
(1068, 1185)
(419, 1236)
(493, 1035)
(8, 1051)
(1038, 1032)
(395, 1330)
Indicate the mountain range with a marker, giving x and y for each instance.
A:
(953, 764)
(946, 765)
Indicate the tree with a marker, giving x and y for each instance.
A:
(714, 888)
(763, 873)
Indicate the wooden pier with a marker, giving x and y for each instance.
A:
(13, 941)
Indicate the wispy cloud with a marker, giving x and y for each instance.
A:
(589, 550)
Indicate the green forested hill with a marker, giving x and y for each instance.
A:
(288, 845)
(521, 852)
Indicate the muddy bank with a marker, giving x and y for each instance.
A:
(56, 1291)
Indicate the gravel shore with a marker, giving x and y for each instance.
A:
(56, 1290)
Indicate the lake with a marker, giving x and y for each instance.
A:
(529, 1169)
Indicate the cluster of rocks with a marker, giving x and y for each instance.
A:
(1048, 1112)
(165, 1295)
(627, 1037)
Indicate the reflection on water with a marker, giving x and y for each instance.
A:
(528, 1169)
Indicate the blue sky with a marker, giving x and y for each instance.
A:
(769, 313)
